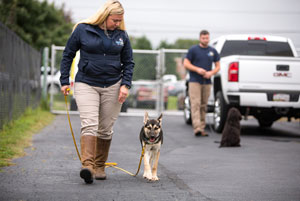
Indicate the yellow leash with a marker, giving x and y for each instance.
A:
(72, 128)
(114, 165)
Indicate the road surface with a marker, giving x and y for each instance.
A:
(266, 166)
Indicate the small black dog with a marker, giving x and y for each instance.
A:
(232, 130)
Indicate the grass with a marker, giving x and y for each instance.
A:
(59, 102)
(17, 135)
(172, 103)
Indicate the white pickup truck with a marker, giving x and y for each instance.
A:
(259, 75)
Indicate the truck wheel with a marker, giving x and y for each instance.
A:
(165, 105)
(124, 107)
(54, 90)
(220, 112)
(265, 123)
(73, 105)
(187, 111)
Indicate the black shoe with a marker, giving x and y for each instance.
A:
(87, 175)
(199, 133)
(203, 133)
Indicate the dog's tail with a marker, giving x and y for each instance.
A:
(218, 142)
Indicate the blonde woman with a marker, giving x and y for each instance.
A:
(101, 84)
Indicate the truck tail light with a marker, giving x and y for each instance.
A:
(257, 38)
(233, 72)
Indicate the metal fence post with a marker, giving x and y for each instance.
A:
(159, 74)
(161, 81)
(53, 52)
(45, 73)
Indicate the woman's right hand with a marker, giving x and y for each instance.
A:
(65, 89)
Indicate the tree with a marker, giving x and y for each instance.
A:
(141, 43)
(171, 58)
(164, 44)
(178, 44)
(38, 23)
(185, 43)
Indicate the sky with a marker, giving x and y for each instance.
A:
(172, 19)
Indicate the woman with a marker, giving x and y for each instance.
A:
(101, 84)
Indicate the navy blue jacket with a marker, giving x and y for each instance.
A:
(97, 66)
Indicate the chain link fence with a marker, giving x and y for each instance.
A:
(174, 78)
(158, 82)
(19, 76)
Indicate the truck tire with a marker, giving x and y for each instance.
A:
(73, 105)
(265, 123)
(124, 107)
(165, 105)
(55, 89)
(187, 111)
(220, 112)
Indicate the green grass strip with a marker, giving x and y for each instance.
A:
(172, 103)
(17, 135)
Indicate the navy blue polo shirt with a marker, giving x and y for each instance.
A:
(204, 58)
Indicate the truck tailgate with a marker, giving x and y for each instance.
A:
(269, 72)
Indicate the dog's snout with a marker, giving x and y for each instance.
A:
(152, 134)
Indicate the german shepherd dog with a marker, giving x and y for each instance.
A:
(151, 136)
(232, 130)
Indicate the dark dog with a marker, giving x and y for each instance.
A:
(232, 130)
(151, 136)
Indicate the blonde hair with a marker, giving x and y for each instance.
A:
(111, 7)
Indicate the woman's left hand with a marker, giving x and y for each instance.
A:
(123, 94)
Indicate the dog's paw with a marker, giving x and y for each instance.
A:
(155, 178)
(147, 175)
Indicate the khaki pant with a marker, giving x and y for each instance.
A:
(98, 108)
(199, 94)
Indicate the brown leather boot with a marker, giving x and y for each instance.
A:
(88, 144)
(102, 149)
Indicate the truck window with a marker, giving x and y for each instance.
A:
(256, 48)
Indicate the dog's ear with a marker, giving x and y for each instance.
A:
(146, 118)
(160, 118)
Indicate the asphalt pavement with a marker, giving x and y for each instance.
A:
(265, 168)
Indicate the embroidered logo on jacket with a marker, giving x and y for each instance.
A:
(120, 42)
